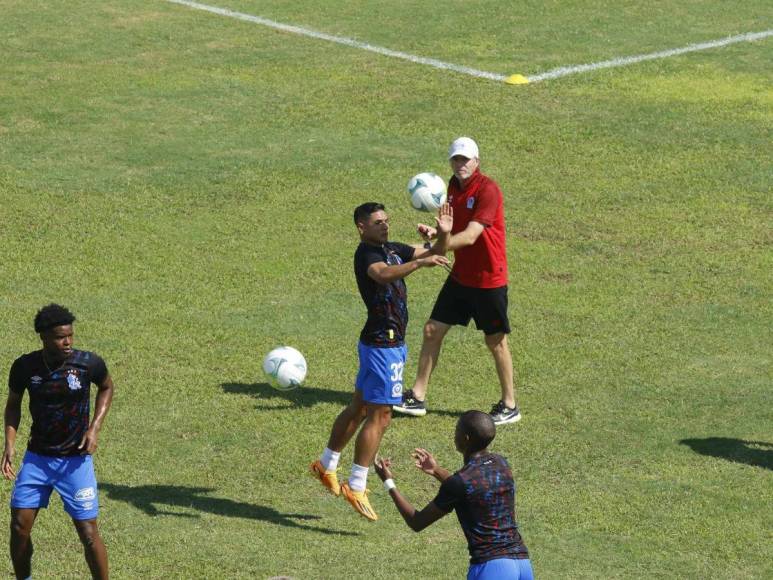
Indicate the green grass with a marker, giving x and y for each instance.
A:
(184, 182)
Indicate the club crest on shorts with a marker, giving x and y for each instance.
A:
(73, 381)
(85, 494)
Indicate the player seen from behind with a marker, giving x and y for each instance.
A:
(483, 494)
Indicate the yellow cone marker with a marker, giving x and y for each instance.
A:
(517, 80)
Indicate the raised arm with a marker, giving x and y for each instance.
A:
(416, 520)
(467, 237)
(384, 274)
(428, 464)
(441, 234)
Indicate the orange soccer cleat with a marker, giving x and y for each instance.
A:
(359, 501)
(328, 478)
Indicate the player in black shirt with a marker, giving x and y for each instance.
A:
(379, 266)
(483, 494)
(62, 440)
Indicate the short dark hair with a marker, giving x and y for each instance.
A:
(479, 427)
(52, 316)
(363, 212)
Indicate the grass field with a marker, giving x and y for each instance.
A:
(184, 183)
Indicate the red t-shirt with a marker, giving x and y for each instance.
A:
(483, 264)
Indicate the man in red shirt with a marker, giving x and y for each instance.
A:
(477, 286)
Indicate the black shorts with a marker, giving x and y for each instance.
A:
(457, 304)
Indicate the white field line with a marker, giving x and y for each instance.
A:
(439, 64)
(624, 61)
(342, 40)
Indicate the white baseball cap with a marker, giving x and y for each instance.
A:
(465, 147)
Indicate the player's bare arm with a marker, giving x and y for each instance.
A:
(441, 234)
(104, 399)
(384, 274)
(444, 221)
(466, 237)
(12, 419)
(416, 520)
(428, 464)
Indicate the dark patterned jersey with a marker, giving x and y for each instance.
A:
(387, 304)
(59, 399)
(483, 495)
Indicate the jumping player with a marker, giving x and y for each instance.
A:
(483, 494)
(379, 266)
(62, 440)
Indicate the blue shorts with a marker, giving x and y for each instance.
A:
(501, 569)
(380, 377)
(72, 477)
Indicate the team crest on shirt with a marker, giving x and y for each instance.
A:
(393, 259)
(470, 203)
(73, 381)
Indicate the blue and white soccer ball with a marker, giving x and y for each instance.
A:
(427, 191)
(285, 368)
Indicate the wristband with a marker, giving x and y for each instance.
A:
(389, 484)
(427, 246)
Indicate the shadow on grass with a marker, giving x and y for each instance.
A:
(756, 453)
(307, 396)
(159, 500)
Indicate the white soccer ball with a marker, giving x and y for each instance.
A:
(427, 191)
(285, 368)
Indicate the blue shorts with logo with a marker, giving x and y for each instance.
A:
(380, 378)
(501, 569)
(72, 477)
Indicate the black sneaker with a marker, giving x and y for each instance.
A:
(502, 414)
(411, 405)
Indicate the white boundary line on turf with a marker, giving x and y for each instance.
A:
(624, 61)
(515, 79)
(342, 40)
